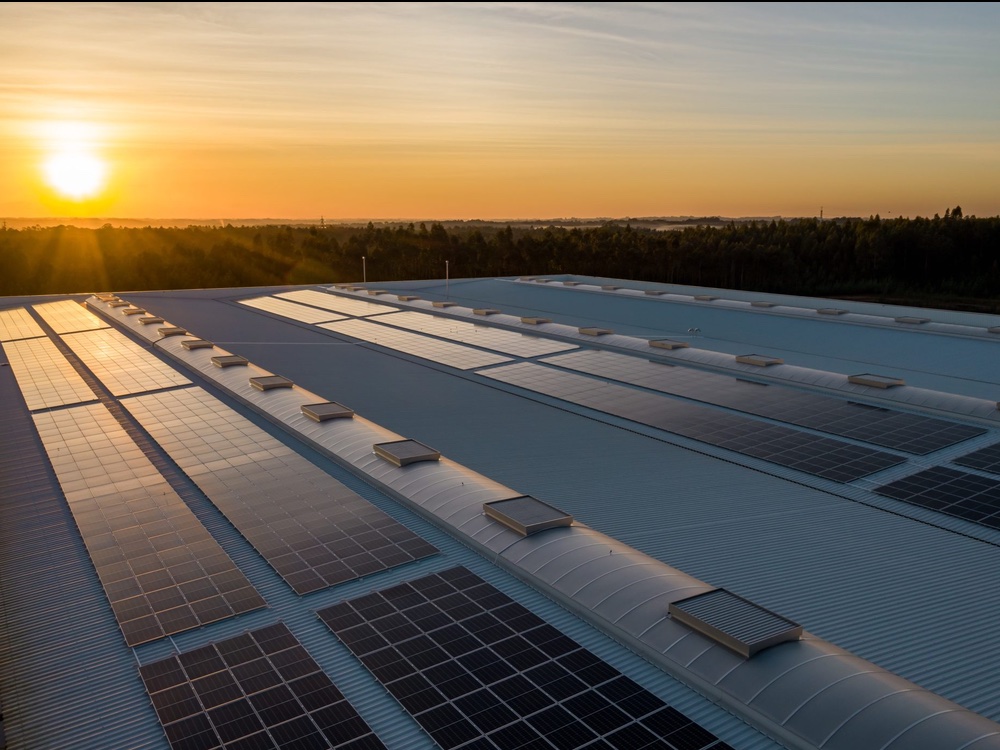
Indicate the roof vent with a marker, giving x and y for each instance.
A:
(571, 283)
(443, 304)
(654, 292)
(230, 360)
(327, 410)
(133, 311)
(705, 297)
(376, 292)
(197, 344)
(668, 344)
(270, 382)
(535, 321)
(595, 331)
(526, 515)
(609, 287)
(875, 381)
(406, 297)
(172, 331)
(119, 303)
(762, 303)
(343, 286)
(527, 278)
(404, 452)
(759, 360)
(150, 319)
(912, 321)
(735, 622)
(831, 311)
(994, 329)
(485, 311)
(106, 296)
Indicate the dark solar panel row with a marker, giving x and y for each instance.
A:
(478, 670)
(820, 456)
(985, 459)
(256, 691)
(910, 433)
(957, 493)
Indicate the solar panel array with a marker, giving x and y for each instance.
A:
(18, 324)
(819, 456)
(487, 337)
(254, 691)
(160, 568)
(956, 493)
(443, 352)
(46, 378)
(291, 310)
(911, 433)
(311, 529)
(346, 305)
(478, 670)
(984, 459)
(68, 316)
(121, 365)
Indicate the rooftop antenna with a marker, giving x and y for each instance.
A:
(446, 280)
(322, 222)
(364, 271)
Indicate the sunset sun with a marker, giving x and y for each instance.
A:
(76, 175)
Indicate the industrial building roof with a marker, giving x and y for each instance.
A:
(829, 469)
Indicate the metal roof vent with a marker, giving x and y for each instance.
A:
(526, 515)
(735, 622)
(535, 321)
(406, 297)
(527, 278)
(595, 331)
(443, 304)
(404, 452)
(875, 381)
(485, 311)
(230, 360)
(150, 319)
(994, 329)
(759, 360)
(376, 292)
(133, 311)
(653, 292)
(761, 303)
(343, 286)
(609, 287)
(172, 331)
(190, 344)
(327, 410)
(118, 303)
(668, 344)
(106, 296)
(705, 297)
(270, 382)
(911, 320)
(571, 283)
(831, 311)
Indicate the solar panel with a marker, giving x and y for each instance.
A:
(260, 689)
(435, 350)
(348, 306)
(121, 365)
(290, 310)
(67, 316)
(956, 493)
(487, 337)
(478, 670)
(160, 568)
(46, 378)
(18, 324)
(985, 459)
(911, 433)
(819, 456)
(310, 528)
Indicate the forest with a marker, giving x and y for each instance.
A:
(950, 261)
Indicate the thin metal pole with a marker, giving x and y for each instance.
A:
(364, 270)
(446, 281)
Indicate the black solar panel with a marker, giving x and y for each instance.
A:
(957, 493)
(478, 670)
(257, 690)
(820, 456)
(985, 459)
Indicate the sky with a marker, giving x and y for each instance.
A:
(498, 110)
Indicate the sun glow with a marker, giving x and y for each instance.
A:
(73, 168)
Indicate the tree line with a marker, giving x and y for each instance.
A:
(949, 261)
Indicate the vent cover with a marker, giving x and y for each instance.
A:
(270, 382)
(875, 381)
(994, 329)
(595, 331)
(668, 344)
(759, 360)
(526, 515)
(571, 283)
(150, 319)
(735, 622)
(609, 287)
(118, 303)
(197, 344)
(106, 296)
(485, 311)
(404, 452)
(443, 304)
(653, 292)
(761, 303)
(705, 297)
(133, 311)
(406, 297)
(911, 320)
(535, 321)
(327, 410)
(172, 331)
(230, 360)
(831, 311)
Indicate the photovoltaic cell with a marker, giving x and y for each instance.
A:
(478, 670)
(160, 568)
(443, 352)
(910, 433)
(45, 376)
(17, 324)
(487, 337)
(68, 316)
(956, 493)
(121, 365)
(819, 456)
(311, 529)
(290, 310)
(255, 691)
(985, 459)
(357, 307)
